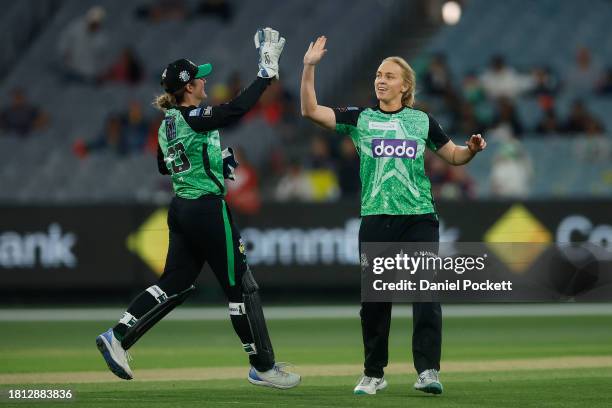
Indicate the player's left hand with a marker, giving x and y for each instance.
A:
(476, 143)
(269, 45)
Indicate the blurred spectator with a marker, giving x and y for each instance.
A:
(127, 68)
(21, 117)
(111, 138)
(549, 123)
(583, 75)
(320, 154)
(473, 92)
(219, 93)
(324, 184)
(317, 183)
(437, 172)
(437, 78)
(461, 185)
(152, 133)
(294, 185)
(506, 123)
(545, 82)
(163, 10)
(272, 105)
(123, 134)
(580, 120)
(135, 128)
(235, 83)
(218, 8)
(348, 169)
(604, 87)
(467, 123)
(323, 180)
(502, 81)
(511, 172)
(448, 182)
(243, 193)
(83, 47)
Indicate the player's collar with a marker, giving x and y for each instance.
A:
(377, 107)
(185, 108)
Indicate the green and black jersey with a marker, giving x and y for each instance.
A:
(189, 146)
(391, 147)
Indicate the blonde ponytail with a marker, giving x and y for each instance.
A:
(164, 101)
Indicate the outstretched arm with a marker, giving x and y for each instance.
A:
(443, 146)
(459, 155)
(207, 118)
(321, 115)
(269, 45)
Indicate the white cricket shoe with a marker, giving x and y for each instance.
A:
(369, 385)
(429, 382)
(115, 356)
(276, 377)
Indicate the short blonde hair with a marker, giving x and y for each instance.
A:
(408, 77)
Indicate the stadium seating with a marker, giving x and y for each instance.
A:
(79, 112)
(539, 33)
(42, 167)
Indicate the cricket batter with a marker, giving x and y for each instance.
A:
(396, 200)
(200, 224)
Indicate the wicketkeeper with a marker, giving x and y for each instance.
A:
(200, 223)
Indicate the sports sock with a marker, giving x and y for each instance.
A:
(144, 302)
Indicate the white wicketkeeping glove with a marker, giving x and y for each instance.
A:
(269, 45)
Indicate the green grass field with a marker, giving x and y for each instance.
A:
(502, 362)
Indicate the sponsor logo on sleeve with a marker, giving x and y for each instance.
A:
(398, 148)
(207, 111)
(195, 112)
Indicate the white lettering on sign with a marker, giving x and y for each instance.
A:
(50, 249)
(301, 246)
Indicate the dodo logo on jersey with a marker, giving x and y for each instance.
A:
(398, 148)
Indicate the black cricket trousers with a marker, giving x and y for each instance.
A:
(376, 316)
(202, 230)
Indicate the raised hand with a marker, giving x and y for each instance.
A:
(315, 51)
(476, 143)
(269, 46)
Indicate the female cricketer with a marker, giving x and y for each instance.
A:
(200, 224)
(396, 199)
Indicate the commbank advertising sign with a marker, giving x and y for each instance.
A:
(289, 246)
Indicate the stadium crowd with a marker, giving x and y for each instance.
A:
(483, 101)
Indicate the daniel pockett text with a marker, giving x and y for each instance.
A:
(478, 272)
